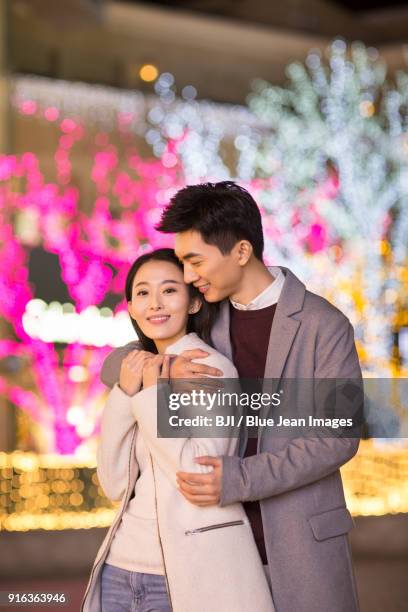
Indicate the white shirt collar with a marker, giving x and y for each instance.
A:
(268, 296)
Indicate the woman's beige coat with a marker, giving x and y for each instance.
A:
(210, 567)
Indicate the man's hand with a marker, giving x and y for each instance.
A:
(183, 366)
(202, 489)
(131, 371)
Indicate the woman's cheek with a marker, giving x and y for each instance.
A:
(178, 304)
(139, 314)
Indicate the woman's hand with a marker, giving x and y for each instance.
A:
(131, 371)
(157, 367)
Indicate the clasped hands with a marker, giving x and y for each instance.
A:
(141, 368)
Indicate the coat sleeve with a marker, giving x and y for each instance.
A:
(303, 460)
(111, 366)
(173, 454)
(117, 427)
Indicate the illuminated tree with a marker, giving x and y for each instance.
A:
(341, 123)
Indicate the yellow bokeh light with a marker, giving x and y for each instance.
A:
(148, 73)
(367, 108)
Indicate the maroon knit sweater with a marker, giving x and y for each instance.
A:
(250, 331)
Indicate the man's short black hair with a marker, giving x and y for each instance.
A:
(223, 213)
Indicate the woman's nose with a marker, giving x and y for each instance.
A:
(155, 303)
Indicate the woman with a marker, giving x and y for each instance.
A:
(163, 553)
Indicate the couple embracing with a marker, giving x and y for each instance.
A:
(218, 524)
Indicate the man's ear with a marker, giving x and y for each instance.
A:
(244, 251)
(195, 306)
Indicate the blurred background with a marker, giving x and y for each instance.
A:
(108, 108)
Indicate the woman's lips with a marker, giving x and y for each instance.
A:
(159, 319)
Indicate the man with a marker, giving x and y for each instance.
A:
(271, 327)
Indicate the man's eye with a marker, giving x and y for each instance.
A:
(196, 263)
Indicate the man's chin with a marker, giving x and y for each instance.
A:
(212, 296)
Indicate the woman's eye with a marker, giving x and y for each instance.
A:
(141, 292)
(169, 290)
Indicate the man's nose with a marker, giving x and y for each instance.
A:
(189, 275)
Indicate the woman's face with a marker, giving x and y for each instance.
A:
(160, 302)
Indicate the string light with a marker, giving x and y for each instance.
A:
(376, 480)
(52, 492)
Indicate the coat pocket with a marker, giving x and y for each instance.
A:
(331, 523)
(217, 526)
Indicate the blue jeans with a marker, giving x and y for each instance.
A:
(124, 591)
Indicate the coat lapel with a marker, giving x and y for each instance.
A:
(284, 327)
(221, 331)
(283, 333)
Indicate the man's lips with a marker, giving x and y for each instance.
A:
(203, 288)
(158, 319)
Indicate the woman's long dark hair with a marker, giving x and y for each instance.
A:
(201, 322)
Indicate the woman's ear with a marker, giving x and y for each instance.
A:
(195, 306)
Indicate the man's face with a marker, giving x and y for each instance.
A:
(217, 276)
